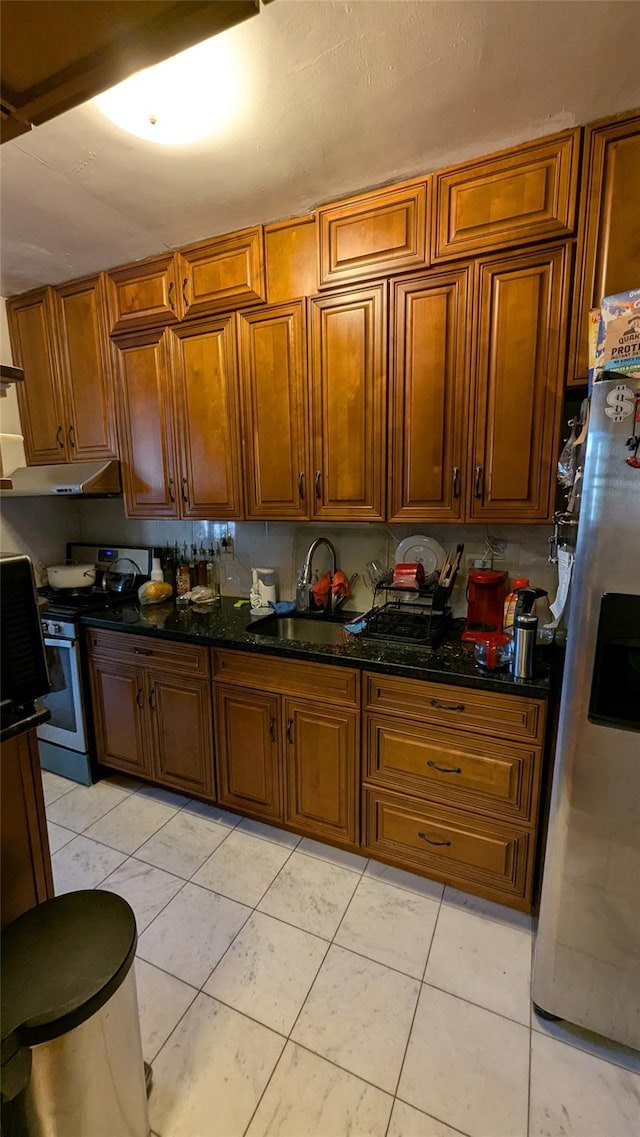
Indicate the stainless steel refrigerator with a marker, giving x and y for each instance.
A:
(587, 952)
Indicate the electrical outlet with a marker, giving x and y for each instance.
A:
(469, 561)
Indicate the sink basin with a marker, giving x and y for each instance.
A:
(313, 629)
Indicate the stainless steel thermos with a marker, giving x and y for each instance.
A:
(526, 628)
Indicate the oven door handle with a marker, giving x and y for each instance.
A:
(59, 641)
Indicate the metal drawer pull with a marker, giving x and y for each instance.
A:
(301, 485)
(272, 729)
(444, 769)
(184, 291)
(318, 487)
(446, 706)
(478, 481)
(289, 729)
(456, 481)
(59, 438)
(71, 437)
(151, 699)
(172, 497)
(139, 698)
(423, 837)
(184, 491)
(170, 296)
(142, 651)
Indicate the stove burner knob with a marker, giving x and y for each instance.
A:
(56, 629)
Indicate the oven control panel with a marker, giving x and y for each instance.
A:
(62, 629)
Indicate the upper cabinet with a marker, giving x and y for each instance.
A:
(429, 396)
(609, 234)
(273, 379)
(66, 402)
(347, 360)
(144, 294)
(512, 198)
(519, 357)
(291, 255)
(374, 234)
(225, 273)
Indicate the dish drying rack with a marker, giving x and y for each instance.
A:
(418, 615)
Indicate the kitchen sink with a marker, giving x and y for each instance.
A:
(313, 629)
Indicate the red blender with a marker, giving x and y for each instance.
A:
(486, 591)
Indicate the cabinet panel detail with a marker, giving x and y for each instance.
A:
(247, 727)
(322, 771)
(380, 232)
(181, 732)
(513, 198)
(34, 347)
(119, 708)
(144, 294)
(223, 273)
(291, 253)
(87, 367)
(268, 672)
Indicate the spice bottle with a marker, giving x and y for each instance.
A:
(183, 577)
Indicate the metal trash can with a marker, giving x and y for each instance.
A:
(72, 1061)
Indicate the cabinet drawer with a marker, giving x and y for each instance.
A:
(329, 684)
(488, 712)
(512, 198)
(156, 653)
(371, 235)
(450, 845)
(224, 273)
(143, 295)
(476, 773)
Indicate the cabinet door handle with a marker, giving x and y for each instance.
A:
(455, 481)
(444, 769)
(59, 438)
(318, 481)
(185, 497)
(172, 496)
(289, 729)
(71, 437)
(142, 651)
(301, 485)
(172, 303)
(139, 698)
(272, 729)
(446, 706)
(478, 484)
(423, 837)
(151, 699)
(185, 282)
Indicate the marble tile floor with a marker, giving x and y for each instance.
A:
(288, 989)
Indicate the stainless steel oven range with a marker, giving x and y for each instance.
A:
(65, 742)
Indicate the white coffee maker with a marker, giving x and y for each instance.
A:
(263, 588)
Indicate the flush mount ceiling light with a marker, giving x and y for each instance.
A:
(178, 101)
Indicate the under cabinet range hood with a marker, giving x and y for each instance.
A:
(72, 479)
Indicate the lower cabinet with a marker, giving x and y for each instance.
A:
(287, 759)
(152, 722)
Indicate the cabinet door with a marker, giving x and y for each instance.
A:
(25, 857)
(274, 386)
(374, 234)
(291, 255)
(227, 272)
(181, 733)
(429, 397)
(518, 385)
(348, 383)
(509, 199)
(145, 426)
(119, 715)
(34, 347)
(144, 294)
(247, 752)
(322, 771)
(609, 236)
(206, 382)
(87, 368)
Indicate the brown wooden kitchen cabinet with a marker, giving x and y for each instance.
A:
(347, 361)
(153, 718)
(223, 273)
(429, 396)
(179, 421)
(521, 310)
(510, 199)
(608, 258)
(247, 752)
(281, 755)
(273, 376)
(291, 256)
(144, 294)
(452, 783)
(146, 425)
(66, 402)
(374, 234)
(25, 859)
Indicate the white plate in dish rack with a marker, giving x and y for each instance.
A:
(423, 550)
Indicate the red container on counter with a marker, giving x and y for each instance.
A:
(485, 609)
(409, 574)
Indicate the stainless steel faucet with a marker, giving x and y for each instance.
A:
(304, 599)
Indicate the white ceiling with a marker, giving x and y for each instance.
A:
(333, 98)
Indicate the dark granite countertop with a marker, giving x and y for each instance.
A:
(11, 727)
(225, 626)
